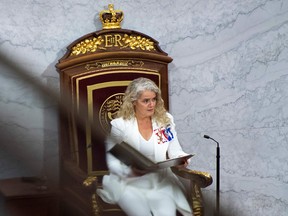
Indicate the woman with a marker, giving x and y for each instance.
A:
(142, 121)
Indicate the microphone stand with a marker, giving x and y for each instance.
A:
(217, 178)
(217, 174)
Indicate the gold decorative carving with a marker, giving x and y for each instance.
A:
(87, 182)
(107, 41)
(138, 42)
(115, 63)
(206, 174)
(111, 19)
(197, 203)
(95, 206)
(88, 46)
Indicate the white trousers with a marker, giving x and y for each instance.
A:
(133, 203)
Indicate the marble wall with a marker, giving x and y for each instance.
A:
(228, 80)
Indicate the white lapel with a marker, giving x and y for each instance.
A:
(132, 134)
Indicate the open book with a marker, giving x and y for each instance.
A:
(132, 157)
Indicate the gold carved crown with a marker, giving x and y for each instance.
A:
(111, 19)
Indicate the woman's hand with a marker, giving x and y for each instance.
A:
(184, 164)
(138, 172)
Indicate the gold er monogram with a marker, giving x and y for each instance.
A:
(109, 41)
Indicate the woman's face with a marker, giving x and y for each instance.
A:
(145, 104)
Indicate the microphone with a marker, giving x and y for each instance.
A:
(208, 137)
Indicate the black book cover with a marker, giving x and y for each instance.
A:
(132, 157)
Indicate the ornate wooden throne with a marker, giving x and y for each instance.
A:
(94, 74)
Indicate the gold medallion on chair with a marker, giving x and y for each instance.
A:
(109, 109)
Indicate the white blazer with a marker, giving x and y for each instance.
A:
(165, 141)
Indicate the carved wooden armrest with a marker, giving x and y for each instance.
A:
(202, 179)
(197, 180)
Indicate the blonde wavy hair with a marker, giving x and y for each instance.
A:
(134, 91)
